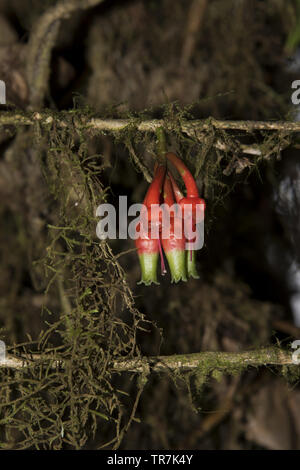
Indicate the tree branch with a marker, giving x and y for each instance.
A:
(183, 362)
(191, 127)
(196, 125)
(41, 43)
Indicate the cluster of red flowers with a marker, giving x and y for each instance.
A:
(164, 189)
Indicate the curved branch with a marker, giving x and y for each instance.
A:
(41, 43)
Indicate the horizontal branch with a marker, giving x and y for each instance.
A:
(183, 362)
(192, 128)
(148, 125)
(210, 359)
(196, 125)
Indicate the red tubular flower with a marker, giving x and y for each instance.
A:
(174, 245)
(152, 198)
(149, 248)
(148, 253)
(176, 190)
(192, 195)
(192, 201)
(190, 255)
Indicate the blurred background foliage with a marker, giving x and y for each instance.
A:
(232, 59)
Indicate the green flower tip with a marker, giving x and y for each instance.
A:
(175, 280)
(148, 263)
(177, 265)
(191, 265)
(147, 282)
(193, 274)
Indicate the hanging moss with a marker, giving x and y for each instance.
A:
(93, 318)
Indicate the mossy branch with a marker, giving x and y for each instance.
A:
(209, 360)
(192, 128)
(147, 125)
(197, 125)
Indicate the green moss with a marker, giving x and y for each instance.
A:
(86, 328)
(291, 373)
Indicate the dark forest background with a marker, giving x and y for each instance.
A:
(230, 59)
